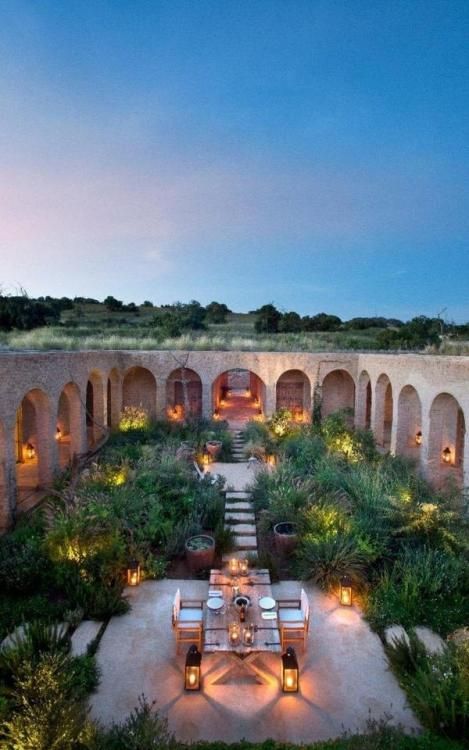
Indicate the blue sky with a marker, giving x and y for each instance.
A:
(314, 154)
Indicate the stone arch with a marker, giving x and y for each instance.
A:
(364, 401)
(34, 445)
(293, 392)
(446, 440)
(409, 424)
(183, 394)
(95, 413)
(113, 398)
(383, 411)
(337, 392)
(244, 389)
(139, 389)
(69, 432)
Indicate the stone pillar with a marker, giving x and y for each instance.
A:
(425, 446)
(466, 450)
(270, 399)
(161, 398)
(207, 410)
(8, 488)
(392, 447)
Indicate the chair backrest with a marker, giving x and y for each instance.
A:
(200, 473)
(176, 606)
(304, 606)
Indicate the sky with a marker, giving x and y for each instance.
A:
(313, 154)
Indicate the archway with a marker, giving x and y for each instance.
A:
(33, 446)
(337, 392)
(69, 433)
(409, 424)
(238, 395)
(364, 402)
(139, 389)
(446, 440)
(113, 399)
(183, 394)
(95, 422)
(293, 392)
(383, 412)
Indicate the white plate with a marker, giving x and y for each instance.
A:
(215, 603)
(266, 602)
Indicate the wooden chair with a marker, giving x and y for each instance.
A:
(293, 615)
(202, 475)
(187, 618)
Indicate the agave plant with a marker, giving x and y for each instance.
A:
(326, 561)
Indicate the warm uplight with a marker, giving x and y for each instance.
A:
(223, 402)
(446, 455)
(234, 632)
(248, 392)
(205, 458)
(271, 459)
(58, 433)
(418, 438)
(345, 591)
(243, 566)
(133, 573)
(30, 451)
(290, 672)
(216, 415)
(133, 418)
(192, 670)
(234, 566)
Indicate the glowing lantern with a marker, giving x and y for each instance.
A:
(248, 635)
(205, 458)
(234, 566)
(446, 455)
(234, 633)
(244, 567)
(290, 672)
(133, 573)
(345, 591)
(192, 670)
(271, 459)
(58, 433)
(30, 451)
(418, 438)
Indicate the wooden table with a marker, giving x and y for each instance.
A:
(266, 634)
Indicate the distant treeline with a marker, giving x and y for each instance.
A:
(22, 312)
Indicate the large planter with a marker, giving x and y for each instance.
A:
(214, 447)
(286, 537)
(200, 551)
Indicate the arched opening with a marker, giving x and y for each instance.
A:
(95, 422)
(183, 394)
(409, 424)
(4, 509)
(364, 402)
(69, 426)
(238, 395)
(384, 411)
(113, 399)
(446, 441)
(33, 447)
(293, 392)
(139, 389)
(337, 392)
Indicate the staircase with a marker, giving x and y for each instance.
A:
(239, 516)
(238, 446)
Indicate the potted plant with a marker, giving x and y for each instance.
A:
(286, 536)
(213, 447)
(200, 551)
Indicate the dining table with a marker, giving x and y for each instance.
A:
(258, 634)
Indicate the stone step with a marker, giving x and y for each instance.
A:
(238, 506)
(83, 635)
(240, 517)
(246, 542)
(237, 495)
(242, 529)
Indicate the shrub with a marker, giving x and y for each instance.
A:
(326, 561)
(144, 729)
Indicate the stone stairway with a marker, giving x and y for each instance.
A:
(238, 446)
(239, 516)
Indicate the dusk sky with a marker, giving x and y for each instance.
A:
(311, 154)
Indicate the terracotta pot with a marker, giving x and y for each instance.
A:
(213, 447)
(200, 551)
(286, 537)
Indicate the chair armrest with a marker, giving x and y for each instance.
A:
(289, 603)
(192, 604)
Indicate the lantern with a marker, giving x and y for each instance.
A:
(248, 392)
(446, 455)
(192, 679)
(216, 414)
(205, 458)
(271, 459)
(345, 591)
(133, 573)
(30, 451)
(58, 433)
(234, 566)
(243, 566)
(290, 672)
(248, 635)
(418, 438)
(234, 633)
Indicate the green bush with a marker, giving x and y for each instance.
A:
(326, 561)
(144, 729)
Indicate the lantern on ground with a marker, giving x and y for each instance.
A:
(345, 591)
(133, 573)
(446, 455)
(58, 433)
(234, 633)
(30, 451)
(234, 566)
(205, 458)
(243, 567)
(290, 671)
(192, 670)
(418, 438)
(248, 635)
(271, 459)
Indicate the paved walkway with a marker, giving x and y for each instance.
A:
(344, 678)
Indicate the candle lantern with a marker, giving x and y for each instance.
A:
(205, 458)
(290, 671)
(58, 433)
(446, 455)
(271, 459)
(234, 566)
(30, 451)
(133, 573)
(418, 438)
(345, 591)
(192, 670)
(248, 635)
(234, 632)
(244, 566)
